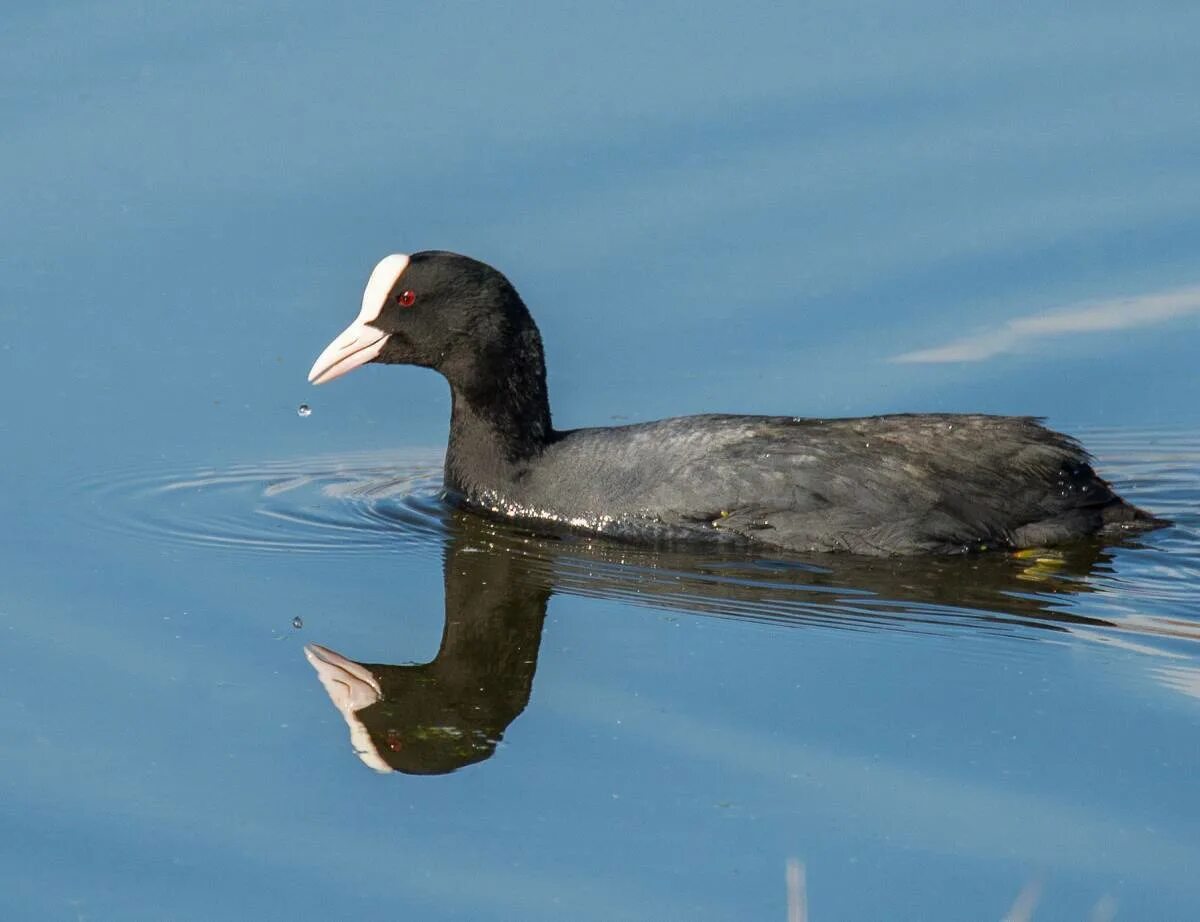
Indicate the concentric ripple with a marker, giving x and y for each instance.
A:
(342, 504)
(368, 503)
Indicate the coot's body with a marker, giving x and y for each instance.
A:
(901, 484)
(875, 485)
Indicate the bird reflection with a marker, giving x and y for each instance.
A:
(432, 718)
(436, 717)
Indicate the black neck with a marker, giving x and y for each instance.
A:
(502, 423)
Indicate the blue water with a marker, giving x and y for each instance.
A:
(840, 209)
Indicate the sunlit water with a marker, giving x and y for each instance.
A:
(821, 209)
(934, 737)
(377, 504)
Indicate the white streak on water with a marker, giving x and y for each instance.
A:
(1094, 317)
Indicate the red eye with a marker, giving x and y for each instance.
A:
(406, 299)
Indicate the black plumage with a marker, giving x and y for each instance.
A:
(897, 484)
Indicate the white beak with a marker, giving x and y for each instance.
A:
(358, 344)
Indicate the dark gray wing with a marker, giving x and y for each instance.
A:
(903, 484)
(876, 485)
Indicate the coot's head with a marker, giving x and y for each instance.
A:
(440, 310)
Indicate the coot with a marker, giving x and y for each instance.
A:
(882, 485)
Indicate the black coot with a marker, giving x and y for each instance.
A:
(898, 484)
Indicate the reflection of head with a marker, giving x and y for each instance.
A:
(435, 717)
(417, 719)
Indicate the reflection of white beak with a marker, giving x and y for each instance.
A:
(350, 685)
(357, 345)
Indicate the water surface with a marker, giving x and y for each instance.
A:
(833, 210)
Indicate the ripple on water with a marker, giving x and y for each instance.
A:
(343, 504)
(368, 503)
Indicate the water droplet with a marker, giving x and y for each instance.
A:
(297, 622)
(304, 410)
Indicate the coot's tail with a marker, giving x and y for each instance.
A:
(1120, 516)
